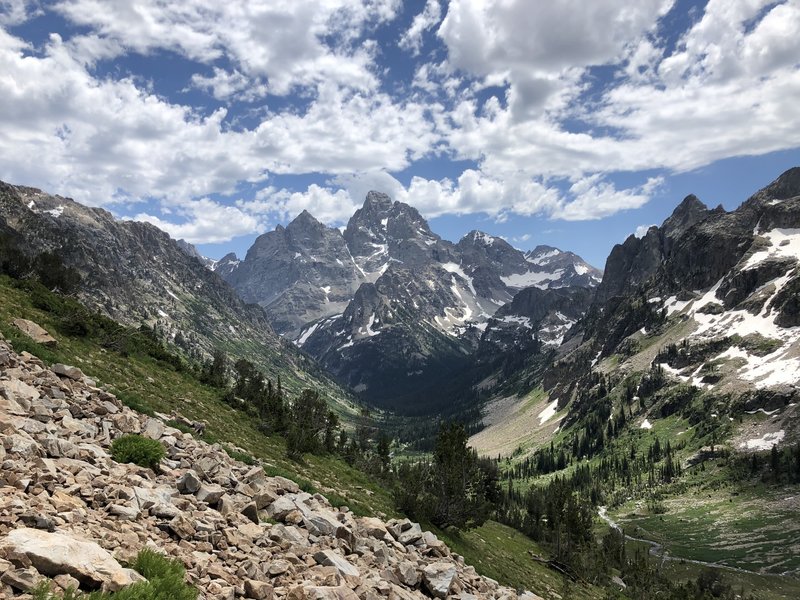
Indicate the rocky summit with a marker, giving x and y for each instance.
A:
(71, 514)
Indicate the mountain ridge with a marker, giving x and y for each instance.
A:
(388, 300)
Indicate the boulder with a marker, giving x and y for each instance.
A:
(410, 535)
(321, 523)
(280, 508)
(287, 533)
(182, 527)
(439, 577)
(23, 580)
(329, 558)
(250, 511)
(189, 483)
(210, 493)
(372, 527)
(258, 590)
(314, 592)
(406, 572)
(67, 371)
(153, 429)
(278, 567)
(37, 333)
(56, 554)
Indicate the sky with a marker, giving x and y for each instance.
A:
(567, 123)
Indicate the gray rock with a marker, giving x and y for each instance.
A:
(73, 373)
(250, 511)
(439, 577)
(210, 493)
(410, 535)
(407, 573)
(154, 429)
(181, 526)
(23, 580)
(287, 533)
(127, 513)
(278, 567)
(281, 507)
(313, 592)
(37, 333)
(189, 483)
(258, 590)
(55, 553)
(329, 558)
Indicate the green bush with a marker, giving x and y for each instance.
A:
(137, 449)
(164, 582)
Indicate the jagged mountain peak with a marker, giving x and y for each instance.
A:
(690, 211)
(307, 224)
(690, 203)
(786, 186)
(479, 237)
(304, 216)
(378, 201)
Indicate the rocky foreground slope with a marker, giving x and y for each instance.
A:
(71, 513)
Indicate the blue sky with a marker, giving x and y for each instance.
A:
(565, 123)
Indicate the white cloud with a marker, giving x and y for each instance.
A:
(343, 132)
(283, 42)
(473, 192)
(13, 12)
(594, 198)
(642, 230)
(729, 88)
(224, 85)
(329, 206)
(102, 140)
(207, 222)
(427, 19)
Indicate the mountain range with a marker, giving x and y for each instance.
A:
(389, 307)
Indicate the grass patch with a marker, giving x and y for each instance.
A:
(240, 456)
(134, 402)
(179, 426)
(504, 554)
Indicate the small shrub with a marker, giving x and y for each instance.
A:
(164, 582)
(306, 486)
(138, 450)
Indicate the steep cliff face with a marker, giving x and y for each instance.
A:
(299, 273)
(716, 289)
(637, 259)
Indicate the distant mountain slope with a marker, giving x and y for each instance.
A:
(699, 318)
(136, 274)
